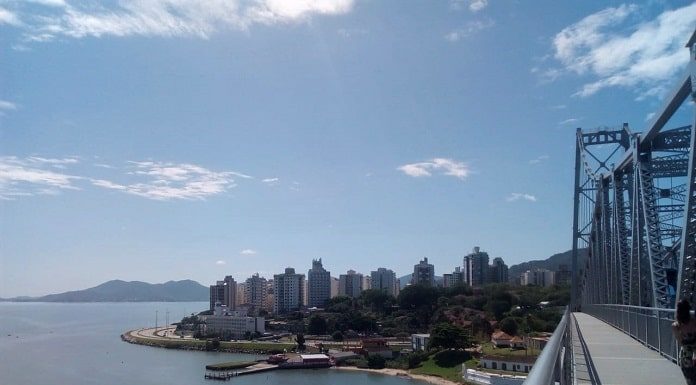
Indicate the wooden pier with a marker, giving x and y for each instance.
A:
(226, 375)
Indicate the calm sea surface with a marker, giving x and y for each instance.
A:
(76, 344)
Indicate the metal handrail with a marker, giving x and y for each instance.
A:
(546, 366)
(650, 326)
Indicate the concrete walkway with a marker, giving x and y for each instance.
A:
(621, 360)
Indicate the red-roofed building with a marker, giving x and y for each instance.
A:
(501, 339)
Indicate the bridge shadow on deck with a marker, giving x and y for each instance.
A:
(620, 359)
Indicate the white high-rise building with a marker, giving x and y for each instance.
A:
(318, 285)
(385, 280)
(255, 292)
(350, 284)
(538, 277)
(288, 289)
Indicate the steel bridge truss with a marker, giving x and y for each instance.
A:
(635, 208)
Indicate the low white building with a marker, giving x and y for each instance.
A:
(521, 364)
(419, 341)
(235, 326)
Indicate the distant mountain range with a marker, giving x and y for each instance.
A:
(550, 263)
(134, 291)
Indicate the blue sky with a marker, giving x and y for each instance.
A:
(175, 139)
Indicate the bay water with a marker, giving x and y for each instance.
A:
(80, 344)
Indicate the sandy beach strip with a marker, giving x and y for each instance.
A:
(401, 373)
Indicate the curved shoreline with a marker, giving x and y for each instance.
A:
(137, 337)
(147, 337)
(435, 380)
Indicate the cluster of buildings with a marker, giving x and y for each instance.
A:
(476, 271)
(544, 277)
(292, 291)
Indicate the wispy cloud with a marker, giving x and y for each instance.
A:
(443, 166)
(513, 197)
(164, 18)
(9, 17)
(169, 181)
(558, 107)
(649, 116)
(248, 252)
(538, 159)
(348, 33)
(220, 262)
(470, 29)
(568, 121)
(271, 181)
(619, 49)
(5, 105)
(26, 177)
(472, 5)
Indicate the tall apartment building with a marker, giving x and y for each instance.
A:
(538, 277)
(476, 268)
(225, 292)
(456, 278)
(385, 280)
(423, 273)
(350, 284)
(255, 292)
(318, 285)
(288, 289)
(562, 275)
(334, 287)
(498, 271)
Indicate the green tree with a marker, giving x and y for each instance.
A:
(299, 338)
(448, 336)
(337, 336)
(375, 361)
(509, 325)
(375, 299)
(317, 325)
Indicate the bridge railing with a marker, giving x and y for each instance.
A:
(651, 326)
(554, 363)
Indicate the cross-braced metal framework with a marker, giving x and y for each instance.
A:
(635, 208)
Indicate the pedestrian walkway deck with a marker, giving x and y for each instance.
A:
(621, 360)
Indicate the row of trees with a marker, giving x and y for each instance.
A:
(419, 308)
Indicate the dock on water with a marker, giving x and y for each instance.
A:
(226, 375)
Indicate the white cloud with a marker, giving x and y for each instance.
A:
(477, 5)
(220, 262)
(649, 116)
(468, 30)
(442, 166)
(271, 181)
(639, 56)
(26, 177)
(568, 121)
(168, 181)
(472, 5)
(513, 197)
(169, 18)
(248, 252)
(52, 161)
(9, 17)
(558, 107)
(538, 159)
(4, 104)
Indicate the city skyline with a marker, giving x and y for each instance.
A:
(157, 142)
